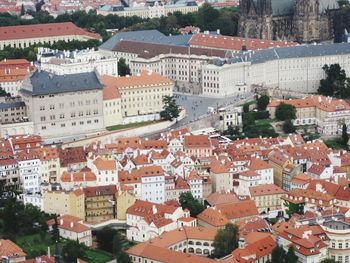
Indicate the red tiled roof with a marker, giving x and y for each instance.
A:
(10, 249)
(197, 141)
(239, 209)
(100, 190)
(235, 43)
(43, 30)
(265, 189)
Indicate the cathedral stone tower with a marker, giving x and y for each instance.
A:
(256, 19)
(307, 20)
(295, 20)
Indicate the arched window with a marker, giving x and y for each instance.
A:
(198, 251)
(190, 242)
(206, 244)
(191, 250)
(198, 243)
(206, 252)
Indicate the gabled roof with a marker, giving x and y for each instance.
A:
(213, 217)
(159, 254)
(105, 165)
(221, 198)
(258, 246)
(197, 141)
(239, 209)
(10, 249)
(265, 189)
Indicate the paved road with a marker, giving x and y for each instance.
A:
(197, 106)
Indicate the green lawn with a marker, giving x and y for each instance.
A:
(263, 122)
(35, 245)
(130, 125)
(98, 256)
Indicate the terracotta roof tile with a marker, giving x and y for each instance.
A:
(43, 30)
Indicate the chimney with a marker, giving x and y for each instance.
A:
(61, 221)
(84, 177)
(71, 224)
(241, 242)
(154, 209)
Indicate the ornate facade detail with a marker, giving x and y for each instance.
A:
(296, 20)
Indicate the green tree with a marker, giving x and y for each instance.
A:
(288, 126)
(344, 135)
(117, 244)
(55, 233)
(248, 119)
(170, 108)
(38, 5)
(3, 93)
(123, 68)
(294, 208)
(246, 107)
(105, 238)
(262, 102)
(123, 258)
(23, 11)
(72, 250)
(285, 112)
(225, 240)
(335, 83)
(188, 201)
(278, 255)
(291, 257)
(206, 16)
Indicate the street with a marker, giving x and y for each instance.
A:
(197, 106)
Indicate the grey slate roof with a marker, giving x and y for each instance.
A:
(146, 36)
(14, 104)
(45, 83)
(301, 51)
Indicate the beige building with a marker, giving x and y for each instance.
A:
(134, 98)
(292, 69)
(50, 164)
(267, 197)
(156, 10)
(338, 232)
(63, 105)
(64, 202)
(230, 117)
(326, 113)
(26, 35)
(12, 110)
(125, 199)
(100, 203)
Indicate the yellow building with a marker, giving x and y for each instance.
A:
(134, 98)
(64, 202)
(267, 197)
(125, 199)
(100, 203)
(278, 161)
